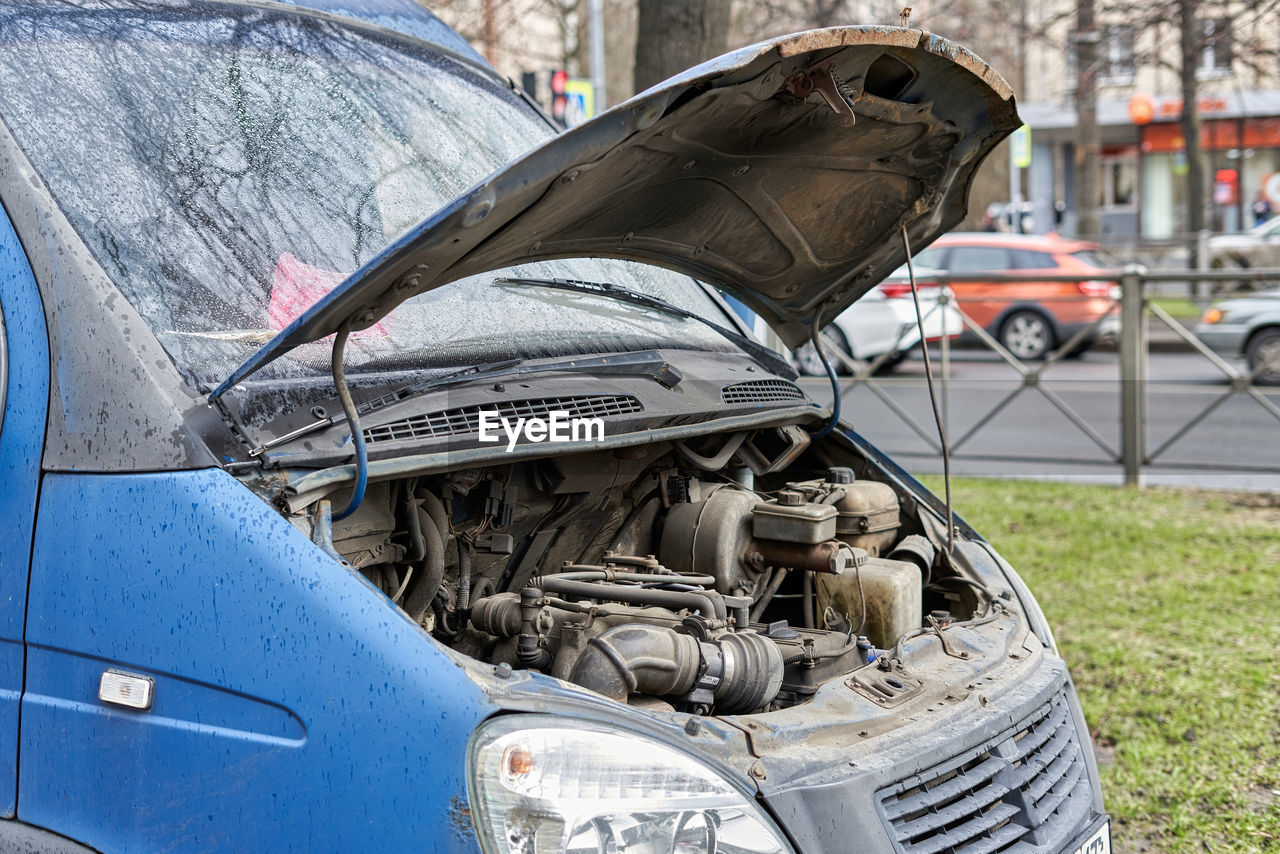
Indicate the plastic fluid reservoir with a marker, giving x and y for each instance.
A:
(868, 510)
(893, 596)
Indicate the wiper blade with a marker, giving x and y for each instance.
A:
(641, 363)
(767, 358)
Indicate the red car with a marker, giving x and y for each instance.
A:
(1031, 318)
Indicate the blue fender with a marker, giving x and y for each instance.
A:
(296, 709)
(25, 402)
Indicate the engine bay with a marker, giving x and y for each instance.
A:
(731, 574)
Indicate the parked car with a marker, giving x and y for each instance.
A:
(1257, 247)
(508, 542)
(1248, 328)
(1030, 318)
(884, 321)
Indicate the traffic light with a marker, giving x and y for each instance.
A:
(559, 99)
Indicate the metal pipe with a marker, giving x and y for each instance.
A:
(595, 574)
(709, 604)
(1133, 375)
(765, 598)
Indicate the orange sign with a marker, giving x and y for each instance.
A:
(1141, 110)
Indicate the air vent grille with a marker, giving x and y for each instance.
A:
(465, 420)
(761, 391)
(1014, 794)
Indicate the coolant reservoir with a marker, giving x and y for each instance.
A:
(893, 594)
(868, 511)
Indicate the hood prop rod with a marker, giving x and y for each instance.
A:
(353, 419)
(816, 336)
(933, 396)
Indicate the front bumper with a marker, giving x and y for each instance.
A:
(1003, 764)
(1225, 339)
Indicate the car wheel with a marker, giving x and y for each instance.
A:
(1079, 350)
(1027, 335)
(891, 364)
(1263, 357)
(810, 365)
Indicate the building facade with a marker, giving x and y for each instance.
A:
(1142, 192)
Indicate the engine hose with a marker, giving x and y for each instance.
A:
(432, 572)
(353, 420)
(743, 672)
(418, 546)
(713, 463)
(436, 511)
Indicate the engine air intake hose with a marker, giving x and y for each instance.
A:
(743, 671)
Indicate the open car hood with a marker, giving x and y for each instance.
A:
(781, 173)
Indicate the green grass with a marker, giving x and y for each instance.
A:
(1166, 605)
(1179, 307)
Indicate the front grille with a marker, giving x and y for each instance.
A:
(465, 420)
(1017, 794)
(761, 391)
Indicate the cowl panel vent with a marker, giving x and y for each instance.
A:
(465, 420)
(761, 391)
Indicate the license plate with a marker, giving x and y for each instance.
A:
(1099, 842)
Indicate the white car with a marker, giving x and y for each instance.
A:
(884, 321)
(1257, 247)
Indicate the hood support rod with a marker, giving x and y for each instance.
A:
(933, 396)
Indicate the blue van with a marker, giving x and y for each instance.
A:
(383, 472)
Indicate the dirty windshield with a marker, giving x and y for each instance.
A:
(228, 166)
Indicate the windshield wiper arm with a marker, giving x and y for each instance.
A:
(767, 358)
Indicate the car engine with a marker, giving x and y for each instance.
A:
(730, 574)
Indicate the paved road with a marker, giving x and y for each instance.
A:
(1232, 448)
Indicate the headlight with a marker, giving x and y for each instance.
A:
(1213, 315)
(541, 784)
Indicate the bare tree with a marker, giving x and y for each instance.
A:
(673, 35)
(1190, 49)
(1089, 140)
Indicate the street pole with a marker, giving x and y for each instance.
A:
(1089, 138)
(1133, 376)
(595, 34)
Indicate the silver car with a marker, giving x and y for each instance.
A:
(884, 321)
(1250, 328)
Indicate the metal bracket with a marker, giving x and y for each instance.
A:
(840, 97)
(936, 627)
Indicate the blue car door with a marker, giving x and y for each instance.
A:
(24, 397)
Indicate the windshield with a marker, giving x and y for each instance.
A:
(229, 165)
(1092, 258)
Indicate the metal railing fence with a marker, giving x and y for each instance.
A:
(1132, 300)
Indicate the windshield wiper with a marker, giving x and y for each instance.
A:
(767, 358)
(648, 363)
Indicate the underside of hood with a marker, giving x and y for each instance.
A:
(782, 173)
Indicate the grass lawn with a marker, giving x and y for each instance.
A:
(1166, 605)
(1179, 307)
